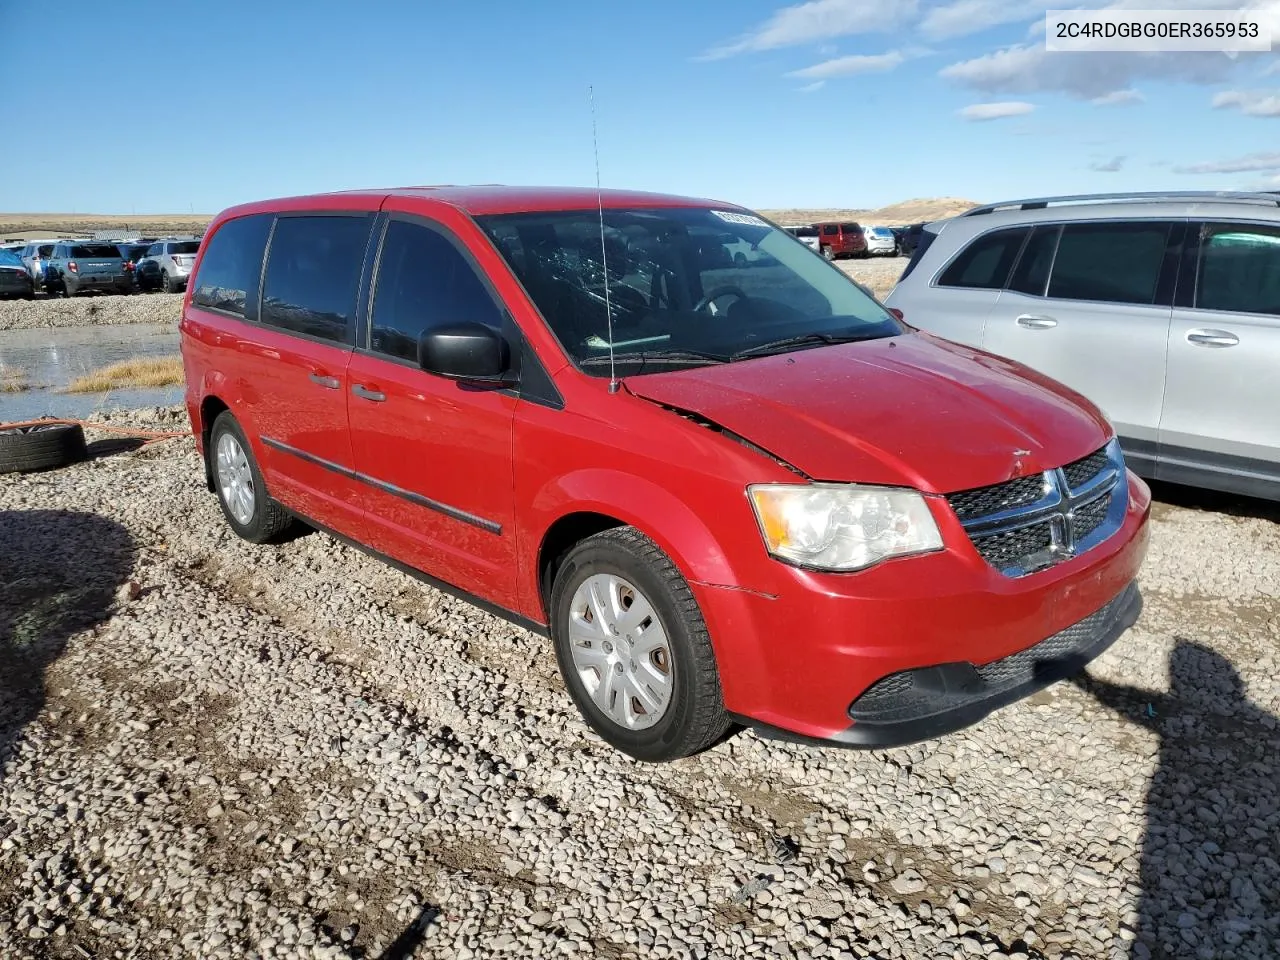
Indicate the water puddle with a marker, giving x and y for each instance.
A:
(49, 359)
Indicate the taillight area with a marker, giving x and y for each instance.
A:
(897, 314)
(72, 266)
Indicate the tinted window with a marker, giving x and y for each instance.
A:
(424, 281)
(155, 250)
(1239, 269)
(1115, 262)
(804, 231)
(231, 266)
(830, 230)
(313, 274)
(185, 246)
(986, 262)
(850, 227)
(1032, 271)
(95, 251)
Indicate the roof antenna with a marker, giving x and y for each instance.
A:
(604, 254)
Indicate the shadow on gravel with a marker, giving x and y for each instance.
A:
(59, 573)
(1196, 498)
(113, 445)
(1210, 876)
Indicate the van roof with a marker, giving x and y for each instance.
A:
(486, 199)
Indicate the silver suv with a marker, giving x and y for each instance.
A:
(1163, 309)
(167, 264)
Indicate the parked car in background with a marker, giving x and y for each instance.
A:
(838, 240)
(14, 279)
(75, 268)
(974, 537)
(132, 252)
(1163, 309)
(808, 235)
(34, 257)
(880, 241)
(909, 239)
(167, 264)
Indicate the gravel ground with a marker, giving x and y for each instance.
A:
(90, 310)
(878, 274)
(212, 749)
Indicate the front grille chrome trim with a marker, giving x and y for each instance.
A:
(1067, 534)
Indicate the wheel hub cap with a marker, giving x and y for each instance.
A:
(620, 651)
(235, 479)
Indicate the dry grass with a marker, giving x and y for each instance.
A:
(136, 372)
(13, 380)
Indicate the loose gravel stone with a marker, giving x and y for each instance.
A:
(295, 750)
(90, 310)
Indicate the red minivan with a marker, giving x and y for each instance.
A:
(841, 240)
(728, 493)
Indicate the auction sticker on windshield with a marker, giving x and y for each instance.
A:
(746, 218)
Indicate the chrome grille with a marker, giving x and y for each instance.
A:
(1030, 523)
(1081, 471)
(999, 496)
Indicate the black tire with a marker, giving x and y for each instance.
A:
(695, 717)
(269, 520)
(67, 289)
(166, 282)
(41, 447)
(828, 254)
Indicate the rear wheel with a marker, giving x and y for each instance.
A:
(827, 252)
(164, 281)
(633, 648)
(68, 288)
(250, 511)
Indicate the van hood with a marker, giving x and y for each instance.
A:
(908, 410)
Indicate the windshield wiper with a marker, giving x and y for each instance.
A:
(801, 340)
(657, 356)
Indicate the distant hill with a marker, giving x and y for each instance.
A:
(34, 226)
(908, 211)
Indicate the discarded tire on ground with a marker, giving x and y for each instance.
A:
(40, 447)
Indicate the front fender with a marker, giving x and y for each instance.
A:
(656, 512)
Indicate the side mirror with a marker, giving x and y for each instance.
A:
(464, 351)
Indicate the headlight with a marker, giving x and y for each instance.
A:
(836, 526)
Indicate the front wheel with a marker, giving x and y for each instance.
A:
(634, 650)
(827, 252)
(252, 514)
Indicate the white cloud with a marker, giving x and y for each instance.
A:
(996, 111)
(811, 87)
(963, 17)
(844, 66)
(817, 20)
(1251, 163)
(1252, 103)
(1108, 166)
(1270, 69)
(1117, 98)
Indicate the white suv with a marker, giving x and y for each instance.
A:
(1163, 309)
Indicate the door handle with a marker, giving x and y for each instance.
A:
(360, 390)
(324, 380)
(1212, 338)
(1034, 322)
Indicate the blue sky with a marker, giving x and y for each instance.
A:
(824, 103)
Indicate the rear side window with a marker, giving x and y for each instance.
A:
(184, 246)
(986, 262)
(830, 230)
(313, 274)
(1032, 272)
(1239, 269)
(424, 281)
(232, 265)
(1111, 262)
(850, 227)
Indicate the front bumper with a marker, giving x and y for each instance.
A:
(928, 702)
(800, 649)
